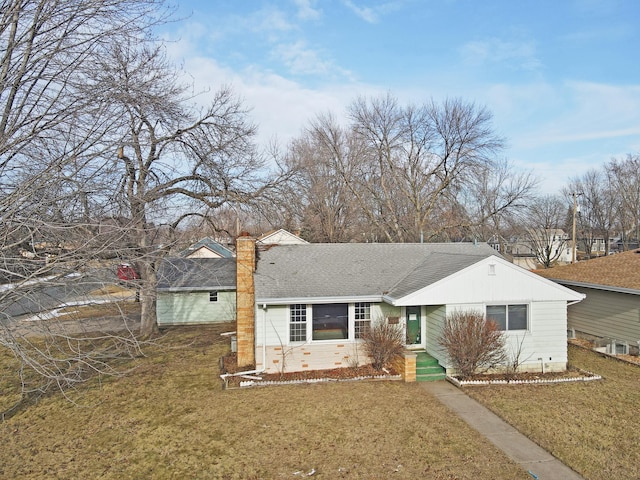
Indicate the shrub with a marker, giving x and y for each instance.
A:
(383, 343)
(472, 342)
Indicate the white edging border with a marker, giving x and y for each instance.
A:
(464, 383)
(259, 383)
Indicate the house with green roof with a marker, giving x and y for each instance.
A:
(206, 248)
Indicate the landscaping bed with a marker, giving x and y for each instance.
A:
(364, 372)
(572, 374)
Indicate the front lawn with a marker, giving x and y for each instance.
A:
(592, 426)
(170, 418)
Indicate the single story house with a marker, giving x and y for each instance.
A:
(303, 307)
(196, 291)
(611, 284)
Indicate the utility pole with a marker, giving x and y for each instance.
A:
(575, 210)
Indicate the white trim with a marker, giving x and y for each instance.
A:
(413, 297)
(310, 300)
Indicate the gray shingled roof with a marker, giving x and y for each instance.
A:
(352, 270)
(191, 274)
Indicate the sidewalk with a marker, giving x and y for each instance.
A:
(535, 460)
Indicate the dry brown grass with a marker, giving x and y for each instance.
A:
(591, 426)
(97, 310)
(171, 419)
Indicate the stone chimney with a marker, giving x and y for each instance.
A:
(245, 299)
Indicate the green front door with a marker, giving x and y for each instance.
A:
(413, 326)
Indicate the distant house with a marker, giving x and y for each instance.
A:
(612, 288)
(196, 291)
(281, 237)
(527, 250)
(307, 305)
(206, 248)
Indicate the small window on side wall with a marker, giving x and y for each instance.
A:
(213, 296)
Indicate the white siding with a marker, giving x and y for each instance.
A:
(276, 327)
(544, 343)
(189, 308)
(548, 322)
(204, 252)
(491, 280)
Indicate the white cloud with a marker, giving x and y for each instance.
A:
(269, 20)
(306, 10)
(301, 60)
(592, 112)
(494, 50)
(372, 14)
(279, 106)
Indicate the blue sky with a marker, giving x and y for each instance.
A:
(562, 78)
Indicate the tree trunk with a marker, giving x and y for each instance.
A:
(148, 323)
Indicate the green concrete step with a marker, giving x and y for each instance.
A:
(427, 368)
(430, 378)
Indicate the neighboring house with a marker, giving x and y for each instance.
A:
(196, 291)
(281, 237)
(612, 286)
(529, 250)
(206, 248)
(312, 302)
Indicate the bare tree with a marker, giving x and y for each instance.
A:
(174, 161)
(51, 186)
(596, 217)
(496, 198)
(103, 155)
(543, 231)
(411, 172)
(624, 176)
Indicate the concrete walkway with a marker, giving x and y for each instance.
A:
(534, 459)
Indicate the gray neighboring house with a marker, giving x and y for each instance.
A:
(194, 291)
(611, 309)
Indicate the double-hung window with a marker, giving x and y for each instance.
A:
(362, 318)
(213, 296)
(509, 317)
(298, 323)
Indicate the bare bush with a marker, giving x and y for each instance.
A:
(383, 343)
(472, 342)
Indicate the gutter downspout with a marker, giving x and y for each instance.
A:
(224, 376)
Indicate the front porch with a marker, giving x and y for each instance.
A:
(419, 366)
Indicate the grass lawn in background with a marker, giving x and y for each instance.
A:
(170, 418)
(593, 426)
